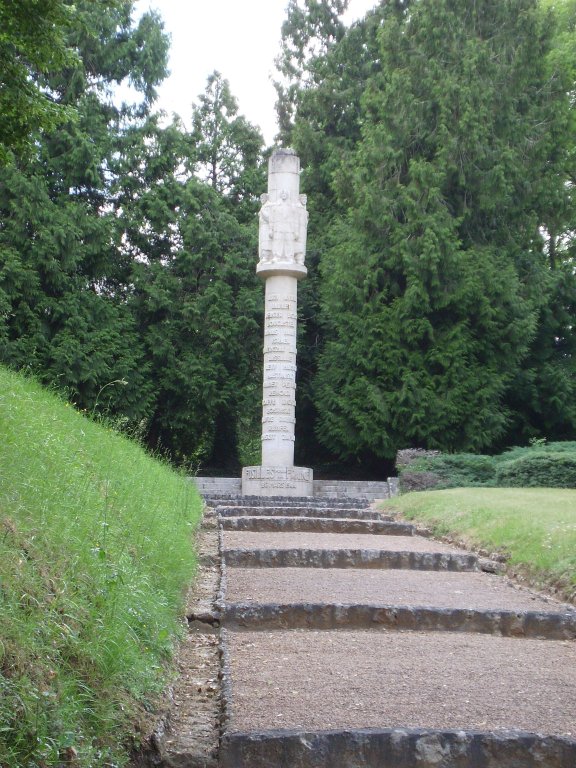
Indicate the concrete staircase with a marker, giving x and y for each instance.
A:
(348, 641)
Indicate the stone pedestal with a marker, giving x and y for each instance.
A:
(282, 247)
(277, 481)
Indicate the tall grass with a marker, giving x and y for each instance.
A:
(96, 550)
(536, 527)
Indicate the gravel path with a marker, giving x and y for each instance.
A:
(360, 679)
(331, 680)
(387, 587)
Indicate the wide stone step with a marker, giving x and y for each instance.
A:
(348, 558)
(285, 501)
(330, 541)
(334, 699)
(355, 513)
(316, 525)
(442, 589)
(271, 616)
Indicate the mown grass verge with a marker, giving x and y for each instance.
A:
(96, 550)
(534, 527)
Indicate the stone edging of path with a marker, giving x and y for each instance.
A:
(215, 501)
(348, 558)
(395, 748)
(269, 616)
(353, 513)
(264, 524)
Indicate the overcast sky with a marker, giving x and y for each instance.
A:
(239, 38)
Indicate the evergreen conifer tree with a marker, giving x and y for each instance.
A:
(436, 277)
(187, 204)
(64, 276)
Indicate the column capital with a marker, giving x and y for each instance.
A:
(267, 269)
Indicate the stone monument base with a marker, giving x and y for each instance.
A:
(277, 481)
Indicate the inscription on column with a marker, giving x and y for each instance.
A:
(278, 404)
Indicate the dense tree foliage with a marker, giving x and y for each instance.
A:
(543, 396)
(436, 137)
(125, 278)
(437, 140)
(195, 295)
(32, 43)
(63, 275)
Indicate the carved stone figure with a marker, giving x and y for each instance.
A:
(283, 225)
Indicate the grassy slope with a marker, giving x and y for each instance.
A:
(95, 554)
(536, 527)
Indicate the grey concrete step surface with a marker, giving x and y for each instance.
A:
(439, 589)
(331, 541)
(316, 525)
(282, 598)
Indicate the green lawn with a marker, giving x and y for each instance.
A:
(96, 550)
(536, 527)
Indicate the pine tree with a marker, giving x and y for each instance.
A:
(187, 204)
(63, 274)
(310, 31)
(542, 399)
(32, 43)
(436, 274)
(323, 69)
(228, 148)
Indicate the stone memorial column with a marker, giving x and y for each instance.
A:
(282, 247)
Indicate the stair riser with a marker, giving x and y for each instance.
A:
(326, 512)
(284, 501)
(348, 558)
(548, 626)
(395, 748)
(315, 525)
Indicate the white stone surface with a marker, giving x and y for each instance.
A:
(283, 219)
(277, 481)
(279, 385)
(281, 251)
(337, 489)
(282, 243)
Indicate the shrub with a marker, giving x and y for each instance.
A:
(448, 471)
(537, 447)
(418, 481)
(409, 456)
(541, 469)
